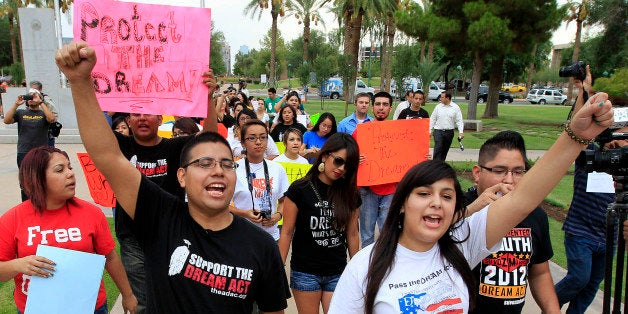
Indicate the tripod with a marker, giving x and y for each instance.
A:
(617, 211)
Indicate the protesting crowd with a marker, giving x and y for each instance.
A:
(208, 219)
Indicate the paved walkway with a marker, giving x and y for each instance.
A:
(10, 196)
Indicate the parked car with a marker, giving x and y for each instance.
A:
(513, 88)
(546, 96)
(504, 97)
(332, 88)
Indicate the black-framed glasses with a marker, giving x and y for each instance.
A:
(210, 163)
(253, 138)
(338, 161)
(502, 172)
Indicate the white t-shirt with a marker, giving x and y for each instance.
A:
(284, 158)
(278, 186)
(418, 281)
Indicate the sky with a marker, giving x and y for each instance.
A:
(240, 29)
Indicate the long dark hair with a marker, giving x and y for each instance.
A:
(323, 117)
(294, 114)
(343, 191)
(383, 253)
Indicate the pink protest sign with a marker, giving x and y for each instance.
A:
(150, 57)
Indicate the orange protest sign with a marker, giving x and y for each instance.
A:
(99, 188)
(391, 148)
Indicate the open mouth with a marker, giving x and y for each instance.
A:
(216, 189)
(432, 221)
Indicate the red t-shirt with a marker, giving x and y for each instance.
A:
(80, 227)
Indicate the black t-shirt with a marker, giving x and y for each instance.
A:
(503, 277)
(317, 247)
(200, 271)
(158, 163)
(408, 113)
(280, 129)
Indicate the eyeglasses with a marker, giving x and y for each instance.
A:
(210, 163)
(324, 126)
(253, 138)
(502, 172)
(338, 161)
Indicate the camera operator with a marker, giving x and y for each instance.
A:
(32, 123)
(585, 225)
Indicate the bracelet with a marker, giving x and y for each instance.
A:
(280, 214)
(573, 135)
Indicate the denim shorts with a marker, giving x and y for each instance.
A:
(308, 283)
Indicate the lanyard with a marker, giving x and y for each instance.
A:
(250, 176)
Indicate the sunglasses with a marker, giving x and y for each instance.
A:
(338, 161)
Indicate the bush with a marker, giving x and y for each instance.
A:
(16, 70)
(615, 86)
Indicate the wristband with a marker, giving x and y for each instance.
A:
(573, 135)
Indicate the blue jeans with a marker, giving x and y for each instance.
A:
(309, 282)
(585, 271)
(374, 209)
(101, 310)
(132, 257)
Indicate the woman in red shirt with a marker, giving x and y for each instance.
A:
(53, 216)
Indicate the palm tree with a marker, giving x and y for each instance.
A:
(276, 10)
(578, 12)
(352, 12)
(306, 12)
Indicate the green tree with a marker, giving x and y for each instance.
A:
(306, 12)
(578, 12)
(276, 10)
(217, 43)
(5, 43)
(351, 13)
(611, 50)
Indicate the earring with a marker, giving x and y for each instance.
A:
(400, 222)
(321, 167)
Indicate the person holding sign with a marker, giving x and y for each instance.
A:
(199, 257)
(321, 222)
(261, 182)
(376, 198)
(54, 217)
(423, 257)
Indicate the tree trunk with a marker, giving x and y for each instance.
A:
(353, 26)
(531, 69)
(389, 52)
(13, 38)
(306, 38)
(383, 57)
(430, 52)
(494, 85)
(273, 49)
(575, 56)
(478, 64)
(422, 55)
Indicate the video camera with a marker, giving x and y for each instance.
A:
(613, 161)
